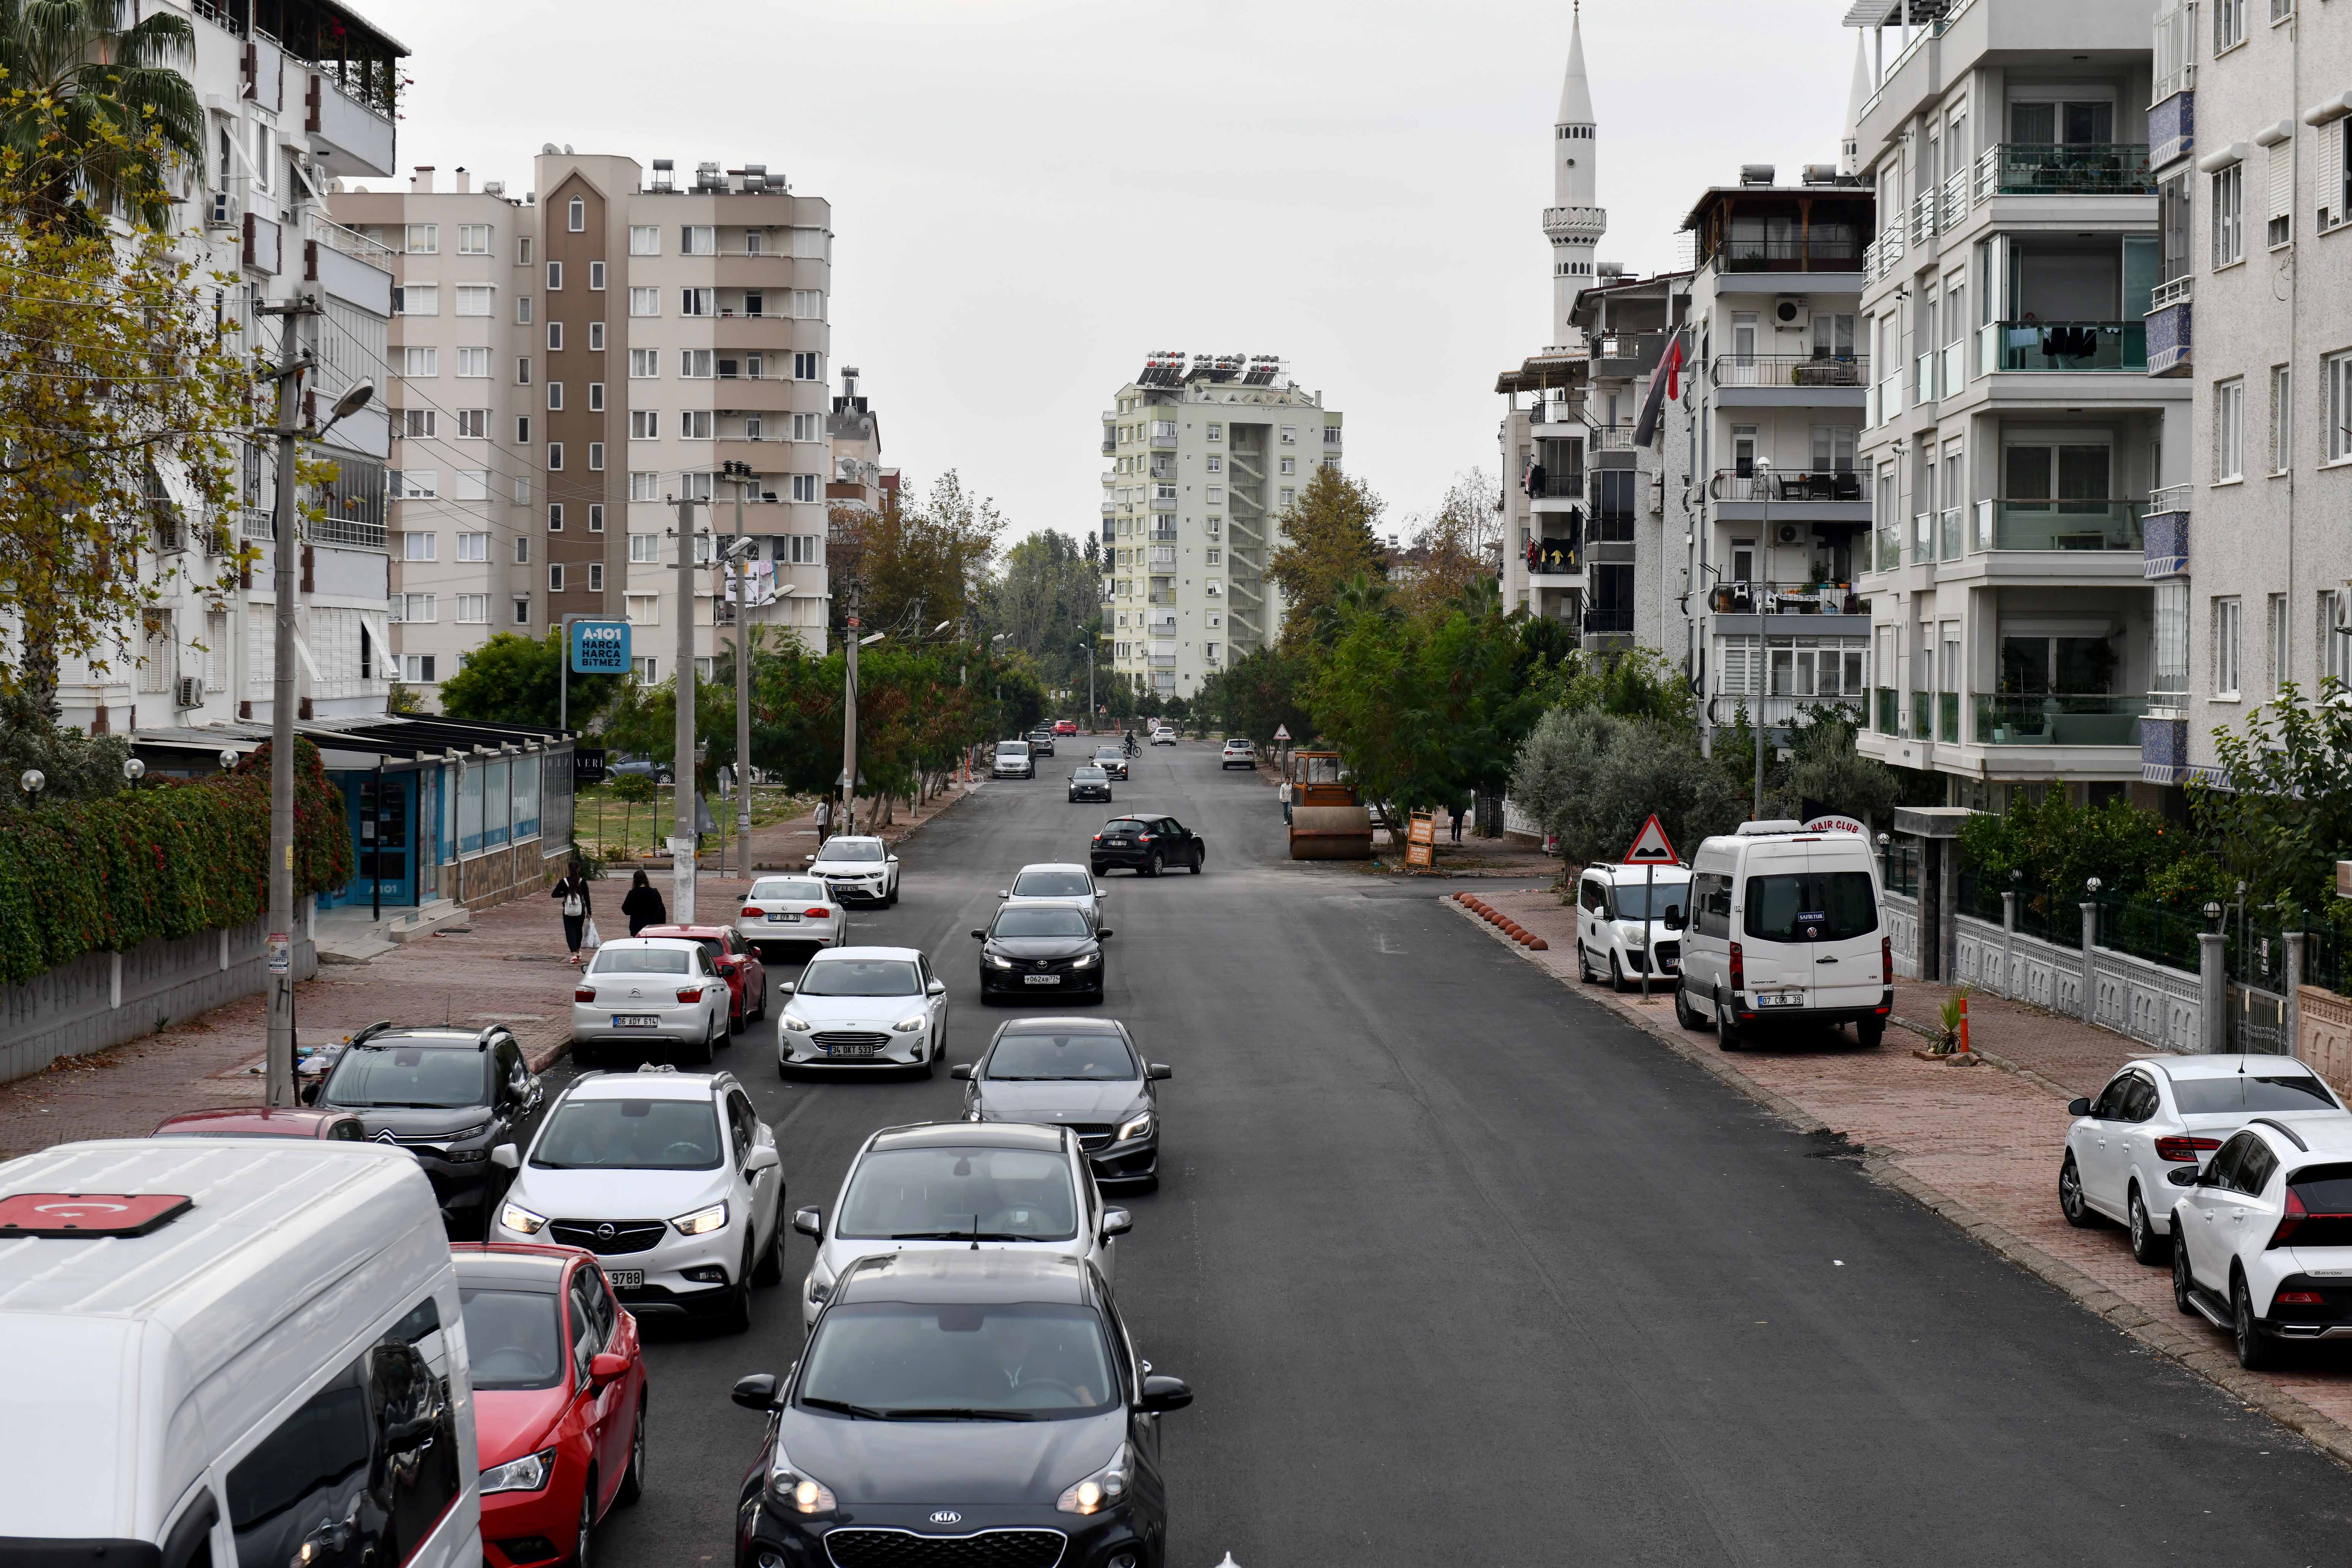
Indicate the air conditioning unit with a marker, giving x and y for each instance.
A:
(1788, 532)
(188, 691)
(222, 211)
(1786, 309)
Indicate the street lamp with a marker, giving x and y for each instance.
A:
(133, 770)
(32, 783)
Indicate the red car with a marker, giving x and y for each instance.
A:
(258, 1122)
(1066, 726)
(747, 977)
(559, 1399)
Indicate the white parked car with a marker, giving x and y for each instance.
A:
(1012, 760)
(1237, 755)
(864, 1007)
(2158, 1115)
(1611, 934)
(669, 1178)
(1785, 932)
(1056, 882)
(779, 909)
(856, 871)
(2263, 1236)
(955, 1184)
(640, 992)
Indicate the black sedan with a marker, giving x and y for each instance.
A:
(449, 1096)
(1147, 845)
(1041, 949)
(960, 1406)
(1083, 1074)
(1090, 782)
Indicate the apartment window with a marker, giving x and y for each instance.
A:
(804, 486)
(473, 547)
(809, 304)
(522, 251)
(2229, 222)
(596, 457)
(595, 576)
(419, 546)
(644, 548)
(1288, 495)
(2281, 420)
(416, 484)
(554, 337)
(417, 668)
(475, 299)
(555, 457)
(522, 429)
(2335, 635)
(474, 424)
(597, 275)
(806, 368)
(595, 337)
(2229, 431)
(2229, 23)
(1213, 558)
(416, 300)
(644, 302)
(473, 609)
(2168, 659)
(554, 277)
(644, 239)
(695, 487)
(698, 301)
(694, 424)
(422, 607)
(522, 611)
(695, 365)
(752, 367)
(523, 549)
(475, 362)
(596, 398)
(473, 484)
(555, 517)
(424, 239)
(416, 424)
(648, 670)
(1289, 464)
(2276, 627)
(801, 549)
(523, 371)
(645, 609)
(522, 490)
(555, 397)
(2282, 194)
(1216, 464)
(698, 239)
(523, 317)
(644, 424)
(2281, 10)
(644, 365)
(473, 239)
(808, 428)
(1216, 431)
(2228, 659)
(578, 215)
(643, 486)
(555, 577)
(2335, 370)
(1289, 433)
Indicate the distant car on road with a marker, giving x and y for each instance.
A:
(1082, 1074)
(1066, 726)
(864, 1007)
(259, 1122)
(452, 1098)
(1238, 754)
(1147, 845)
(1041, 741)
(1165, 735)
(856, 871)
(1090, 782)
(1057, 882)
(2264, 1235)
(1111, 761)
(1013, 760)
(640, 768)
(640, 993)
(779, 909)
(1041, 949)
(747, 977)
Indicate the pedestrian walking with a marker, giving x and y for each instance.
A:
(571, 892)
(1459, 807)
(824, 819)
(643, 907)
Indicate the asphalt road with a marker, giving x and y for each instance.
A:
(1465, 1271)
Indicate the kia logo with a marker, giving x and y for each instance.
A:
(604, 1232)
(947, 1516)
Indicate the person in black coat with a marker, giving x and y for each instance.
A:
(644, 905)
(571, 892)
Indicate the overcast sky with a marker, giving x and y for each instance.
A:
(1029, 195)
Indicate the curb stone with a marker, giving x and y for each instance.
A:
(2253, 1390)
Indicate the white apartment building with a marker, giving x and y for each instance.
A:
(295, 94)
(2252, 321)
(1206, 456)
(617, 346)
(2014, 437)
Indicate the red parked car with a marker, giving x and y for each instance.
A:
(257, 1121)
(1066, 726)
(559, 1399)
(747, 977)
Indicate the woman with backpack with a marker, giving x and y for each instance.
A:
(571, 893)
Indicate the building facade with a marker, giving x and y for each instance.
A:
(1206, 456)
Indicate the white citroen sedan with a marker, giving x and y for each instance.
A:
(779, 909)
(864, 1007)
(856, 871)
(644, 992)
(961, 1183)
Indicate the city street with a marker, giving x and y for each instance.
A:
(1465, 1270)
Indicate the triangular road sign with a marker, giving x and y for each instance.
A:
(1649, 846)
(1282, 731)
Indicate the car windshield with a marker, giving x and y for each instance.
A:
(1635, 899)
(788, 890)
(513, 1338)
(1090, 775)
(1811, 906)
(902, 1361)
(1107, 753)
(1011, 748)
(2248, 1091)
(639, 960)
(1125, 825)
(393, 1076)
(859, 850)
(1025, 923)
(860, 977)
(912, 1195)
(1088, 1055)
(630, 1135)
(1056, 884)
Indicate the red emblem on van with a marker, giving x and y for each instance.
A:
(88, 1213)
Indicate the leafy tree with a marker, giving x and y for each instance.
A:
(2056, 845)
(1047, 599)
(1452, 548)
(2280, 816)
(95, 116)
(1825, 766)
(1259, 694)
(1594, 778)
(76, 766)
(912, 566)
(517, 680)
(1328, 538)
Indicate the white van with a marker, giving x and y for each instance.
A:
(1784, 930)
(232, 1352)
(1013, 760)
(1613, 941)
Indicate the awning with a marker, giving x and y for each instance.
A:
(1889, 13)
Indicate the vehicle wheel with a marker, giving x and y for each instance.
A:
(1616, 974)
(763, 1012)
(771, 1268)
(1871, 1033)
(633, 1479)
(709, 1044)
(1097, 867)
(2147, 1245)
(1683, 1014)
(1583, 968)
(1727, 1033)
(583, 1545)
(2070, 1196)
(1199, 858)
(737, 1318)
(735, 1021)
(2257, 1352)
(932, 1062)
(1151, 868)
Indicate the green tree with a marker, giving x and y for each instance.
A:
(1047, 600)
(912, 566)
(1452, 548)
(1329, 538)
(517, 680)
(1592, 779)
(2280, 816)
(76, 766)
(1258, 694)
(94, 116)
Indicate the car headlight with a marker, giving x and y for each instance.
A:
(820, 1281)
(516, 1218)
(702, 1222)
(909, 1026)
(797, 1026)
(1103, 1489)
(1085, 960)
(1135, 1126)
(528, 1474)
(794, 1488)
(995, 960)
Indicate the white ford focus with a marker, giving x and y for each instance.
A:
(864, 1006)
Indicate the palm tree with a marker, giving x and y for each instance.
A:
(93, 114)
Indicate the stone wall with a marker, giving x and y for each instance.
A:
(507, 871)
(103, 999)
(1903, 932)
(2325, 1035)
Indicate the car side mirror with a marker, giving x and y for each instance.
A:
(961, 1072)
(605, 1368)
(809, 1222)
(757, 1392)
(2078, 1106)
(936, 988)
(1117, 1222)
(1105, 935)
(506, 1158)
(1003, 893)
(1160, 1393)
(786, 986)
(894, 860)
(761, 1158)
(1163, 1070)
(2185, 1176)
(978, 935)
(808, 859)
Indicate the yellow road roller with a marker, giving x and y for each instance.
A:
(1327, 822)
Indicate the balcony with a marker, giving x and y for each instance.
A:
(1781, 708)
(2064, 169)
(1796, 485)
(2072, 525)
(2058, 720)
(1163, 441)
(1610, 621)
(1792, 598)
(1885, 716)
(1790, 370)
(1609, 438)
(1163, 503)
(354, 135)
(1550, 486)
(2170, 338)
(2165, 552)
(1948, 717)
(1553, 558)
(1739, 254)
(1888, 552)
(2065, 346)
(1331, 435)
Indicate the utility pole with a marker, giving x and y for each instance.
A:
(279, 1054)
(740, 569)
(683, 837)
(849, 723)
(1760, 596)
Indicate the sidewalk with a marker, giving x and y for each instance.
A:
(1979, 1145)
(507, 965)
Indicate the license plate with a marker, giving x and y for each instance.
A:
(635, 1020)
(626, 1278)
(1040, 980)
(1779, 999)
(1120, 843)
(784, 920)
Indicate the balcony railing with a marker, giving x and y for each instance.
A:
(1890, 397)
(1924, 387)
(1886, 721)
(2170, 498)
(1923, 218)
(1790, 370)
(1608, 621)
(1553, 558)
(2045, 168)
(1793, 598)
(1889, 554)
(1611, 437)
(1923, 537)
(2058, 720)
(2060, 525)
(1923, 709)
(1800, 485)
(1951, 532)
(2174, 291)
(350, 242)
(1789, 256)
(1555, 487)
(2068, 345)
(1163, 443)
(1948, 716)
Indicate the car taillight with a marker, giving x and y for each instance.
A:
(1886, 961)
(2298, 1299)
(1143, 839)
(752, 913)
(2184, 1150)
(693, 995)
(1098, 838)
(583, 995)
(817, 914)
(2292, 1220)
(1738, 968)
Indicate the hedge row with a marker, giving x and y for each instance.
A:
(172, 858)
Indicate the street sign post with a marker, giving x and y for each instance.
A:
(1421, 840)
(592, 648)
(1650, 849)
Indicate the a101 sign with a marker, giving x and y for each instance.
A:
(600, 648)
